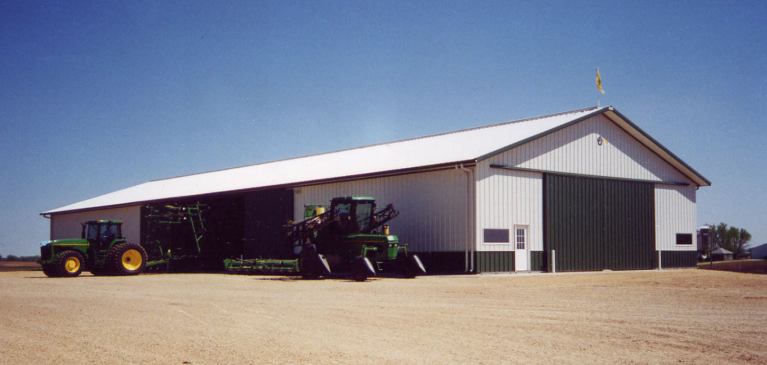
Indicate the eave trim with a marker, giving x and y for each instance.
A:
(494, 166)
(663, 148)
(415, 170)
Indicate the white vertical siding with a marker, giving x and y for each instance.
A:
(674, 213)
(68, 225)
(506, 198)
(575, 150)
(432, 206)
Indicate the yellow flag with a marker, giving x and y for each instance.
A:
(599, 82)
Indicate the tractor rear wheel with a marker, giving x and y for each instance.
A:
(127, 259)
(49, 270)
(69, 264)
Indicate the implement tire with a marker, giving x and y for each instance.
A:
(402, 264)
(306, 262)
(413, 267)
(362, 268)
(69, 264)
(311, 264)
(126, 259)
(50, 270)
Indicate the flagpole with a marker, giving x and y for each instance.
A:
(597, 90)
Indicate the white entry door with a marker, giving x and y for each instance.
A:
(521, 247)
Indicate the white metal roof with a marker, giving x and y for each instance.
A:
(722, 251)
(455, 147)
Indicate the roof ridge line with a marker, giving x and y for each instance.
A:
(387, 143)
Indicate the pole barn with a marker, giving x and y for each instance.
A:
(576, 191)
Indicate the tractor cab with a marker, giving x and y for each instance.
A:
(100, 234)
(354, 214)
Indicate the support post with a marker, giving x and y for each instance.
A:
(660, 266)
(554, 261)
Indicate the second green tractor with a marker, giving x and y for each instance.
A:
(101, 249)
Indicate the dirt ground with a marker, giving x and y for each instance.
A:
(669, 316)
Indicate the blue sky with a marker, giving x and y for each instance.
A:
(100, 96)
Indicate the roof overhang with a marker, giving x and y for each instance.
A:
(295, 185)
(655, 146)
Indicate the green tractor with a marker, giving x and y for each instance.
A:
(101, 249)
(358, 241)
(349, 235)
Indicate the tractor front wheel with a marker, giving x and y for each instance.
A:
(127, 259)
(69, 264)
(50, 270)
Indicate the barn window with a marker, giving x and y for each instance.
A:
(496, 236)
(521, 237)
(684, 238)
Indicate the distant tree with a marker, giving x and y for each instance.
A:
(717, 235)
(11, 258)
(732, 239)
(1, 257)
(737, 240)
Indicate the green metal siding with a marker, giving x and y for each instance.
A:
(537, 261)
(596, 223)
(676, 259)
(455, 262)
(573, 222)
(498, 261)
(629, 225)
(443, 262)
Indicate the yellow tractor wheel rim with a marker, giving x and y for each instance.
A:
(72, 265)
(132, 260)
